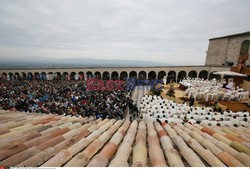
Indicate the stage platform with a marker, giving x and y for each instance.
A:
(234, 105)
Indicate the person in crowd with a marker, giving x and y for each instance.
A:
(191, 101)
(230, 85)
(63, 98)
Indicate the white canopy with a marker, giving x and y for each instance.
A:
(229, 73)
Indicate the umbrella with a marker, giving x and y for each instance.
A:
(229, 73)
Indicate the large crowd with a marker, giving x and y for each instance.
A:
(155, 108)
(213, 90)
(79, 98)
(63, 98)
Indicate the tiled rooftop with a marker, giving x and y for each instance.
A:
(30, 139)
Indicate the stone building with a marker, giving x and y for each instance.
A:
(232, 48)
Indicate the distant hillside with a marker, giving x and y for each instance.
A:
(74, 62)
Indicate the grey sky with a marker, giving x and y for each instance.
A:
(167, 31)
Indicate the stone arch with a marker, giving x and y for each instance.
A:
(89, 74)
(24, 76)
(192, 74)
(37, 76)
(57, 76)
(142, 75)
(98, 75)
(171, 76)
(51, 76)
(133, 74)
(11, 76)
(43, 76)
(203, 74)
(181, 75)
(114, 75)
(4, 76)
(211, 76)
(105, 75)
(123, 75)
(152, 75)
(30, 76)
(65, 76)
(17, 76)
(161, 74)
(244, 47)
(81, 75)
(244, 50)
(73, 76)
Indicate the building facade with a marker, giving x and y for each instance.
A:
(231, 48)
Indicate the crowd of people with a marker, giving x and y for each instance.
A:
(155, 108)
(63, 98)
(79, 97)
(213, 90)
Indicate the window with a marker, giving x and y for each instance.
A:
(244, 47)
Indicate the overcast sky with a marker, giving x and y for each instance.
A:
(168, 31)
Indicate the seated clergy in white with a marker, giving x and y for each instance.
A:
(244, 124)
(248, 119)
(230, 85)
(171, 120)
(205, 122)
(227, 123)
(196, 117)
(157, 116)
(235, 121)
(192, 121)
(213, 123)
(178, 121)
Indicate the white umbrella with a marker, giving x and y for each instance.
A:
(229, 73)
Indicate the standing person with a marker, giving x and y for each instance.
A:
(130, 104)
(191, 101)
(135, 111)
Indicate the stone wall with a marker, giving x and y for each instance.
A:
(225, 49)
(246, 85)
(216, 52)
(234, 47)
